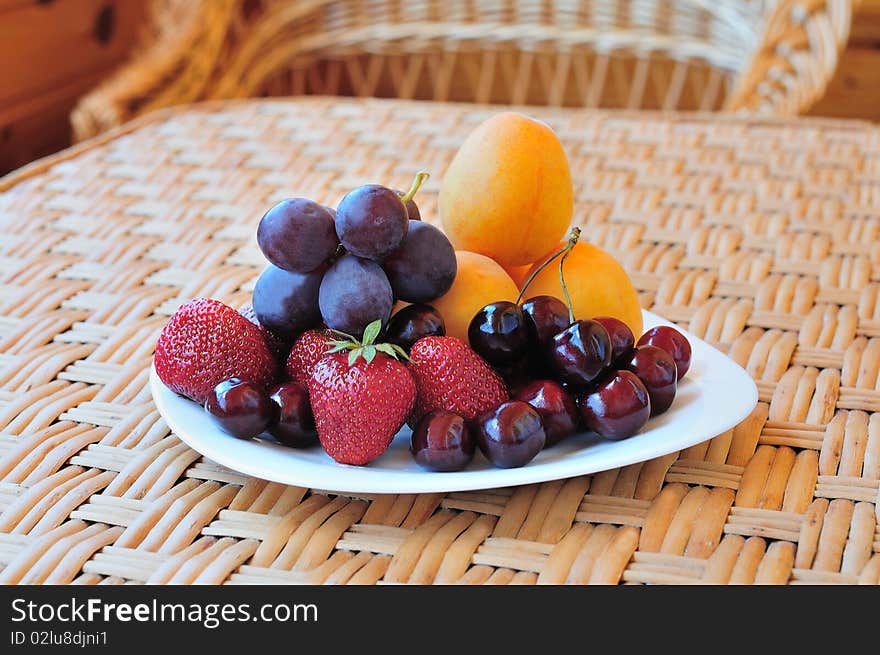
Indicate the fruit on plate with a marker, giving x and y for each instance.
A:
(413, 322)
(442, 441)
(308, 349)
(617, 408)
(451, 376)
(556, 407)
(372, 220)
(412, 209)
(241, 408)
(478, 282)
(286, 303)
(545, 316)
(518, 273)
(673, 342)
(424, 266)
(507, 193)
(297, 235)
(361, 396)
(498, 332)
(622, 339)
(354, 293)
(656, 369)
(206, 342)
(597, 283)
(580, 353)
(511, 434)
(294, 424)
(278, 347)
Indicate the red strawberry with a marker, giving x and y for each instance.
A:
(360, 399)
(278, 347)
(308, 349)
(451, 376)
(207, 342)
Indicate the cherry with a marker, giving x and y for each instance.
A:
(517, 374)
(581, 352)
(412, 323)
(241, 408)
(618, 407)
(656, 369)
(556, 407)
(511, 434)
(545, 316)
(296, 425)
(673, 342)
(622, 339)
(498, 332)
(442, 441)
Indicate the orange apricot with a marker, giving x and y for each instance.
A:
(478, 282)
(597, 284)
(507, 193)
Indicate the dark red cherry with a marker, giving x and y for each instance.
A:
(617, 408)
(545, 316)
(622, 339)
(296, 425)
(241, 408)
(498, 333)
(442, 441)
(580, 353)
(511, 434)
(412, 323)
(656, 369)
(556, 407)
(673, 342)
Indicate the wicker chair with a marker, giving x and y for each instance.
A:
(764, 56)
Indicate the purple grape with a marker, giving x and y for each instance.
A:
(297, 235)
(354, 293)
(412, 209)
(424, 267)
(371, 221)
(286, 303)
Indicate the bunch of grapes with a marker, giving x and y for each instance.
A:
(347, 267)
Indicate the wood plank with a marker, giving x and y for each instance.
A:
(854, 92)
(43, 45)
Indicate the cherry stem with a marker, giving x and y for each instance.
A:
(564, 250)
(575, 235)
(420, 177)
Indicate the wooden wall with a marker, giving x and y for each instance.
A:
(51, 53)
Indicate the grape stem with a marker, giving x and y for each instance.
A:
(564, 250)
(419, 179)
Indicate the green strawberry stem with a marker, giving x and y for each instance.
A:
(421, 176)
(564, 250)
(366, 347)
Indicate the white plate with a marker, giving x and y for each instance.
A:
(715, 395)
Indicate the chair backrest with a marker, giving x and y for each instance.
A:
(765, 55)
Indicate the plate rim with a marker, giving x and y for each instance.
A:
(434, 480)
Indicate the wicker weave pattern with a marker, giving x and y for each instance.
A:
(761, 237)
(763, 56)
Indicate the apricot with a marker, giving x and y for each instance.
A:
(478, 282)
(597, 284)
(507, 193)
(518, 273)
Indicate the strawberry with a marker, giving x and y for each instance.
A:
(206, 342)
(278, 347)
(360, 398)
(308, 349)
(451, 376)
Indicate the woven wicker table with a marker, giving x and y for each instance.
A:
(760, 237)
